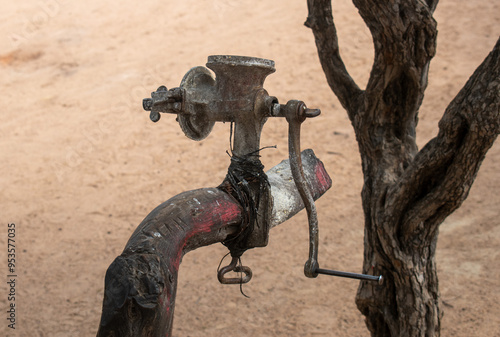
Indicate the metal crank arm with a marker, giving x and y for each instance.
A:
(379, 279)
(296, 112)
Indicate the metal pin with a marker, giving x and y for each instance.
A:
(310, 113)
(379, 279)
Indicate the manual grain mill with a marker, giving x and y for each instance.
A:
(140, 284)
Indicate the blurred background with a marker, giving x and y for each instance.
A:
(82, 164)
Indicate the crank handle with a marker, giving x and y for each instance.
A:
(296, 112)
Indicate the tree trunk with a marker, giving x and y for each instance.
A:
(407, 193)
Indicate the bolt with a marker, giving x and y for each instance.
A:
(147, 104)
(275, 110)
(154, 116)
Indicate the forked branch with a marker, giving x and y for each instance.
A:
(440, 177)
(320, 20)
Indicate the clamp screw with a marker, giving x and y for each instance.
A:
(154, 116)
(147, 104)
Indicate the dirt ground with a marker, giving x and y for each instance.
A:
(82, 164)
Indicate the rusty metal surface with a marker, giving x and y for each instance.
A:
(142, 281)
(237, 95)
(295, 114)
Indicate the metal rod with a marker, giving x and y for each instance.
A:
(378, 279)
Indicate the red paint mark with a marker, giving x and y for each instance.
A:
(325, 182)
(229, 212)
(176, 260)
(215, 214)
(164, 299)
(211, 216)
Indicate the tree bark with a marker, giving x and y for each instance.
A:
(407, 193)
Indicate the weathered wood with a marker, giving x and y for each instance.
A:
(140, 285)
(407, 193)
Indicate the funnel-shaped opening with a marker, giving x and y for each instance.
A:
(241, 61)
(237, 75)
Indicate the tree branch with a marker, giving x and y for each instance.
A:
(440, 177)
(432, 5)
(404, 35)
(320, 20)
(141, 284)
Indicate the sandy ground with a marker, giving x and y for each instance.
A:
(82, 164)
